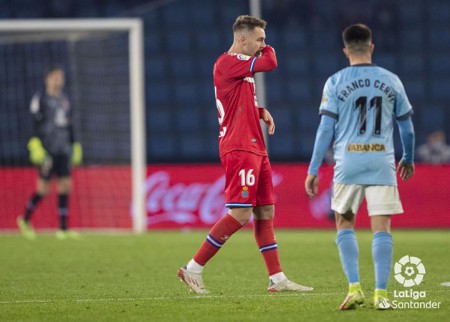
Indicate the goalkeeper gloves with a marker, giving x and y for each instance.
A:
(37, 151)
(77, 153)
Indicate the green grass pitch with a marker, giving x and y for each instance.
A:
(133, 278)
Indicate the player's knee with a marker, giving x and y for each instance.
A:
(264, 212)
(380, 224)
(344, 221)
(64, 190)
(242, 215)
(43, 187)
(379, 229)
(243, 220)
(42, 192)
(64, 186)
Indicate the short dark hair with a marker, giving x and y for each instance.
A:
(249, 23)
(357, 38)
(50, 69)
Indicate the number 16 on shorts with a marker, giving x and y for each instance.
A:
(247, 180)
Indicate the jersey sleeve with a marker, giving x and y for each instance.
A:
(240, 66)
(402, 108)
(70, 126)
(407, 137)
(324, 136)
(35, 104)
(35, 109)
(266, 62)
(328, 105)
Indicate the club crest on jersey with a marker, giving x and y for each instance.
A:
(243, 57)
(245, 193)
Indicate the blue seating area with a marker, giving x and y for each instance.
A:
(183, 39)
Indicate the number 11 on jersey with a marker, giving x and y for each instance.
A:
(361, 104)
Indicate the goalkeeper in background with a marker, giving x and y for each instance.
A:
(53, 149)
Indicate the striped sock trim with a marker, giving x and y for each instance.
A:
(214, 242)
(266, 248)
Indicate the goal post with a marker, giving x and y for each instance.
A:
(73, 29)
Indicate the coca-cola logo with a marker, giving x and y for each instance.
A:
(183, 203)
(186, 203)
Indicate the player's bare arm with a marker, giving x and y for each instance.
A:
(405, 170)
(312, 185)
(268, 119)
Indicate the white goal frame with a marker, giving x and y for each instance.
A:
(134, 27)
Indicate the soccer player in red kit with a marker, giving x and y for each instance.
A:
(243, 154)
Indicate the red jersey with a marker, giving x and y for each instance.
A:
(236, 101)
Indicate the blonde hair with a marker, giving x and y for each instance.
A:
(248, 22)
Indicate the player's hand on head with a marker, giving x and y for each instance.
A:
(405, 170)
(312, 185)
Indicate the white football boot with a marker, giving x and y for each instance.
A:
(193, 280)
(287, 285)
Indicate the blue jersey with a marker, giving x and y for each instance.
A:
(365, 100)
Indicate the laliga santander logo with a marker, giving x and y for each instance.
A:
(409, 271)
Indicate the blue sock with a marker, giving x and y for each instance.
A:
(382, 248)
(349, 253)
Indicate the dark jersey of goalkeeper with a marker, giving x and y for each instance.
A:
(53, 148)
(53, 130)
(53, 123)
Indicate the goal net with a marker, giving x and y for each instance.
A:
(103, 64)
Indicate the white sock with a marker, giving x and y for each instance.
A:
(278, 277)
(193, 266)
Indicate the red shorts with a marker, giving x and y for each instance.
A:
(248, 180)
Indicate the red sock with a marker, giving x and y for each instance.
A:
(222, 230)
(265, 238)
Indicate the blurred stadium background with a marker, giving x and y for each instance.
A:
(182, 40)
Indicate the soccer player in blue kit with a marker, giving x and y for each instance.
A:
(359, 106)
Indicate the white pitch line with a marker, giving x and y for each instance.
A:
(164, 298)
(188, 297)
